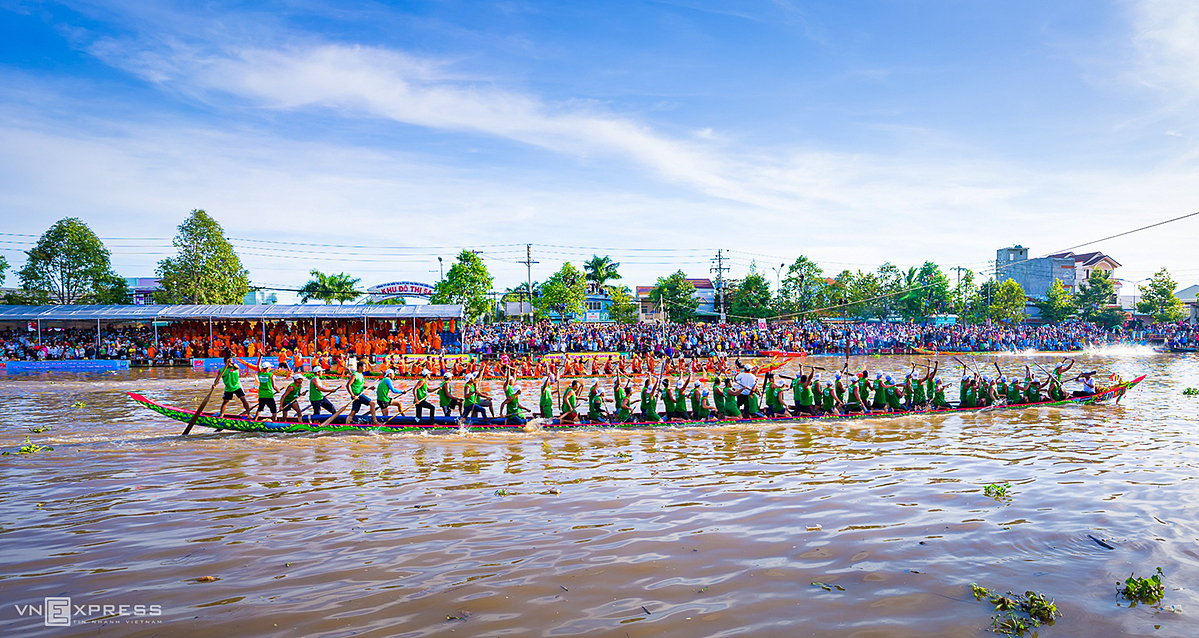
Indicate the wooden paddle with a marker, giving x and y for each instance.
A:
(203, 404)
(337, 414)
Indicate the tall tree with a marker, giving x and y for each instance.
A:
(1007, 302)
(563, 293)
(468, 283)
(1058, 304)
(520, 292)
(677, 295)
(963, 291)
(751, 298)
(624, 307)
(68, 265)
(925, 292)
(601, 270)
(1098, 292)
(329, 288)
(3, 269)
(802, 289)
(206, 269)
(1158, 299)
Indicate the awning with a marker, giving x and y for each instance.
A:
(117, 313)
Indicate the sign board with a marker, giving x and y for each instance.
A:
(761, 324)
(400, 289)
(514, 308)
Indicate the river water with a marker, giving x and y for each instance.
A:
(715, 531)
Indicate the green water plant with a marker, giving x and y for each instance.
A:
(30, 448)
(501, 492)
(1190, 392)
(1147, 591)
(39, 429)
(997, 491)
(1017, 613)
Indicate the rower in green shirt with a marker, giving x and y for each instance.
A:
(515, 413)
(291, 397)
(230, 375)
(266, 390)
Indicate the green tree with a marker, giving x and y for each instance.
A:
(1007, 302)
(206, 269)
(1058, 303)
(1110, 317)
(601, 270)
(1158, 299)
(925, 292)
(113, 290)
(802, 289)
(3, 269)
(964, 291)
(677, 295)
(468, 283)
(751, 298)
(68, 265)
(1098, 292)
(563, 293)
(329, 288)
(623, 308)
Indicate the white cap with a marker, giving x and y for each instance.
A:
(470, 376)
(266, 365)
(297, 377)
(317, 369)
(389, 372)
(448, 375)
(426, 372)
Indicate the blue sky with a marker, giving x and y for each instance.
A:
(854, 133)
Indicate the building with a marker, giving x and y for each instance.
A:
(1035, 276)
(596, 304)
(142, 289)
(705, 291)
(260, 298)
(1189, 297)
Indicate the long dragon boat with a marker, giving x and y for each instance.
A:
(362, 423)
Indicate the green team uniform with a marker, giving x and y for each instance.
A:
(649, 406)
(969, 398)
(1033, 393)
(939, 398)
(880, 395)
(231, 378)
(1014, 396)
(292, 393)
(314, 393)
(667, 401)
(622, 413)
(918, 396)
(383, 393)
(356, 384)
(569, 403)
(546, 403)
(697, 405)
(864, 391)
(752, 404)
(829, 398)
(893, 399)
(266, 385)
(718, 398)
(443, 395)
(422, 391)
(730, 406)
(930, 387)
(514, 409)
(470, 397)
(594, 405)
(776, 400)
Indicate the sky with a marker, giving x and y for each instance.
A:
(373, 137)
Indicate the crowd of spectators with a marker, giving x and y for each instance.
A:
(184, 340)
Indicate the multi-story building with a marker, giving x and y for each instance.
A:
(705, 291)
(1035, 276)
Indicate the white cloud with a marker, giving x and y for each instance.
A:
(1167, 34)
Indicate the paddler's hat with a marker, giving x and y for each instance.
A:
(389, 373)
(426, 372)
(447, 375)
(297, 377)
(878, 375)
(266, 365)
(317, 370)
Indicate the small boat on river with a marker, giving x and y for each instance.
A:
(362, 423)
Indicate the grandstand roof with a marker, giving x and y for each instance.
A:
(231, 312)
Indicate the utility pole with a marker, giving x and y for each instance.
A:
(719, 270)
(528, 262)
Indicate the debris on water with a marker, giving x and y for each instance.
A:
(1190, 392)
(702, 590)
(461, 614)
(78, 404)
(827, 587)
(563, 587)
(30, 447)
(501, 492)
(1018, 613)
(554, 490)
(815, 528)
(1147, 591)
(996, 490)
(1100, 542)
(206, 579)
(645, 610)
(41, 428)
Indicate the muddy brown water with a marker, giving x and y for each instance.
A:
(668, 532)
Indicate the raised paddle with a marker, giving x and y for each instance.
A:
(337, 414)
(195, 417)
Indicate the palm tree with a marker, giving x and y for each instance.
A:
(601, 270)
(330, 288)
(520, 292)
